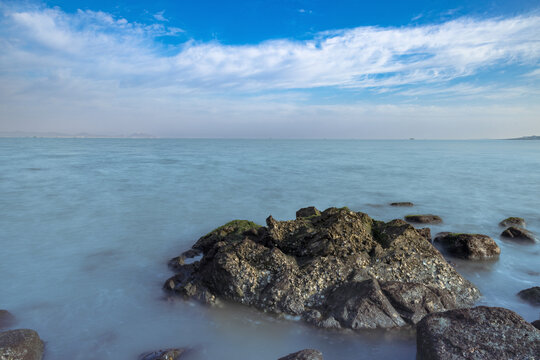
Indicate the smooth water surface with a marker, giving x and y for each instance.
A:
(87, 226)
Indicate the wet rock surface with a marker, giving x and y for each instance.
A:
(402, 203)
(7, 320)
(477, 333)
(21, 344)
(423, 219)
(307, 354)
(518, 234)
(468, 246)
(513, 221)
(168, 354)
(339, 269)
(531, 295)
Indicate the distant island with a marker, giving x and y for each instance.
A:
(24, 134)
(533, 137)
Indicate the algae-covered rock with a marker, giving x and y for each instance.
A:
(402, 204)
(307, 266)
(469, 246)
(478, 333)
(513, 221)
(518, 234)
(21, 344)
(423, 219)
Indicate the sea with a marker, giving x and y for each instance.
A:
(87, 227)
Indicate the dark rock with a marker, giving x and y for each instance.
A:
(307, 212)
(531, 295)
(423, 219)
(468, 246)
(403, 203)
(168, 354)
(307, 354)
(513, 221)
(425, 232)
(6, 319)
(477, 333)
(536, 324)
(380, 274)
(21, 344)
(518, 234)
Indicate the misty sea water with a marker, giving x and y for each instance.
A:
(87, 227)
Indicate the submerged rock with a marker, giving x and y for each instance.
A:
(513, 221)
(477, 333)
(168, 354)
(307, 354)
(531, 295)
(6, 319)
(21, 344)
(468, 246)
(519, 234)
(402, 203)
(423, 219)
(339, 269)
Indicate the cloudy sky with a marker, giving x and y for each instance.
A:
(279, 69)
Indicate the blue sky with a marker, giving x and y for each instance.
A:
(281, 69)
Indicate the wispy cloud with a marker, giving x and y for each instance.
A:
(159, 16)
(360, 57)
(90, 65)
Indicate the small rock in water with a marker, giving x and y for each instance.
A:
(513, 221)
(516, 233)
(536, 324)
(21, 344)
(531, 295)
(423, 219)
(468, 246)
(168, 354)
(478, 333)
(307, 354)
(403, 203)
(6, 319)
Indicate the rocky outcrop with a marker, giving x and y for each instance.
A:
(307, 354)
(477, 333)
(513, 221)
(468, 246)
(518, 234)
(168, 354)
(402, 204)
(21, 344)
(339, 269)
(6, 319)
(423, 219)
(531, 295)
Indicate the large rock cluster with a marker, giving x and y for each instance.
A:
(338, 269)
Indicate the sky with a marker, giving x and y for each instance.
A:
(272, 69)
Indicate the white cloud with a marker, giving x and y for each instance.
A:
(88, 65)
(359, 57)
(159, 16)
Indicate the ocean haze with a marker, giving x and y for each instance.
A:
(88, 226)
